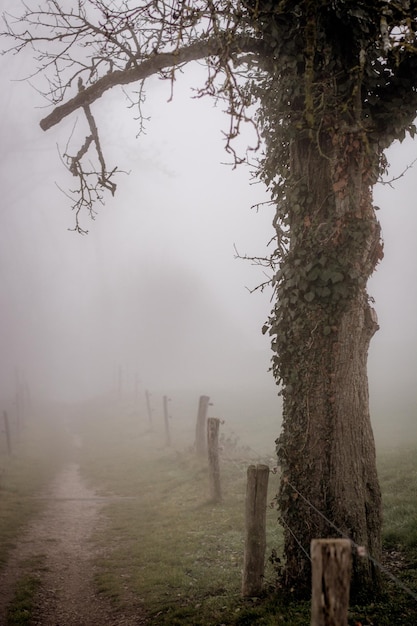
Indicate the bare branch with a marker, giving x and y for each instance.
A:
(148, 67)
(271, 262)
(90, 181)
(392, 180)
(98, 45)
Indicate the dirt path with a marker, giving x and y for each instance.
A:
(57, 548)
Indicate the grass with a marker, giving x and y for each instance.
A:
(20, 610)
(181, 556)
(40, 451)
(36, 457)
(167, 549)
(171, 546)
(398, 476)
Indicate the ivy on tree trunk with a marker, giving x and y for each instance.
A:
(322, 325)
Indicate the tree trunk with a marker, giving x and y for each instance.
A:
(329, 485)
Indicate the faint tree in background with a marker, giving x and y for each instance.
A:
(328, 86)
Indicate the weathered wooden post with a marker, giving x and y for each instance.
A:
(166, 418)
(255, 534)
(331, 562)
(213, 424)
(148, 407)
(200, 431)
(7, 431)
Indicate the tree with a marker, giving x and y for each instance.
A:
(328, 87)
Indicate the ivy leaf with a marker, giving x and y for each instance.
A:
(309, 296)
(336, 277)
(314, 274)
(324, 292)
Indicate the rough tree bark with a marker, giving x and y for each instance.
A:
(326, 447)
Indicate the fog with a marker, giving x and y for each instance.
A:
(153, 297)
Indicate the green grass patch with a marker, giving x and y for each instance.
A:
(20, 609)
(41, 450)
(398, 475)
(169, 548)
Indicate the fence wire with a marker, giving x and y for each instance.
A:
(360, 550)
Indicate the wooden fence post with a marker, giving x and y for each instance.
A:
(200, 431)
(148, 407)
(255, 535)
(7, 431)
(331, 562)
(213, 424)
(166, 418)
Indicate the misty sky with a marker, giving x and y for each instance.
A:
(154, 287)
